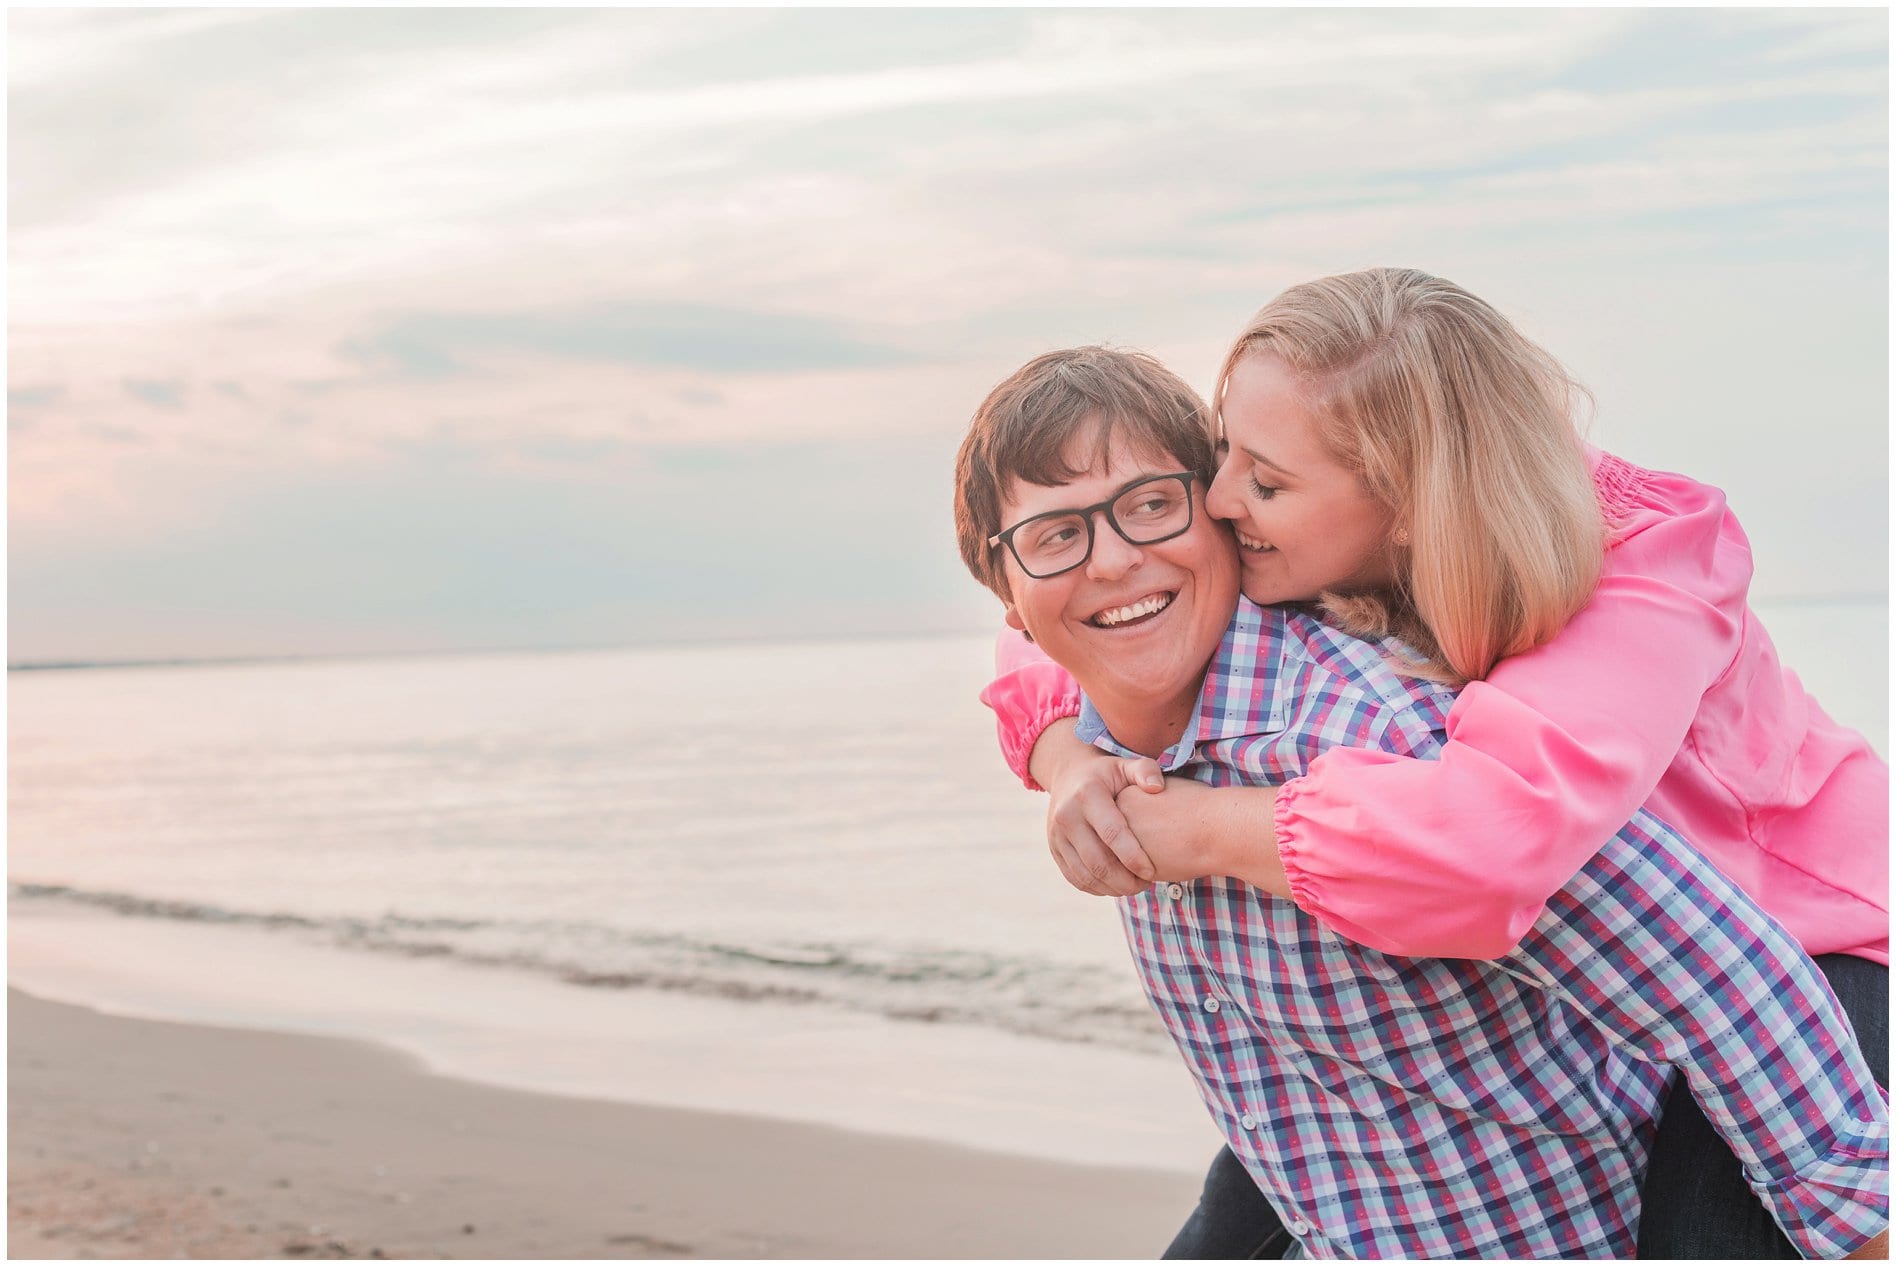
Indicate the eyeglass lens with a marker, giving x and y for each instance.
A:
(1145, 513)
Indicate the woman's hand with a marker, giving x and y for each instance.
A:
(1190, 831)
(1114, 825)
(1086, 830)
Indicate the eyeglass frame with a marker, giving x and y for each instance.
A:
(1086, 513)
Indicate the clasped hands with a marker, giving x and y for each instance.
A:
(1117, 825)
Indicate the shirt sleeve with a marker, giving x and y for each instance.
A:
(1677, 966)
(1543, 761)
(1029, 693)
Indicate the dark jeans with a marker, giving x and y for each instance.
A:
(1694, 1204)
(1233, 1219)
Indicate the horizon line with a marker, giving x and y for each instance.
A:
(297, 657)
(293, 657)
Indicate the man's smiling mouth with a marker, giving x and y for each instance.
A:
(1132, 613)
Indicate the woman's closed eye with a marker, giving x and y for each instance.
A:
(1263, 492)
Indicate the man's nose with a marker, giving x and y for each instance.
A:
(1113, 555)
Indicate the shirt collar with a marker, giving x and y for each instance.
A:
(1242, 692)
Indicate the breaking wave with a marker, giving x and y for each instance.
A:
(1024, 995)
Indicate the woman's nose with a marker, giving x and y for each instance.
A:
(1221, 499)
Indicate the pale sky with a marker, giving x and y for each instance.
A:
(359, 330)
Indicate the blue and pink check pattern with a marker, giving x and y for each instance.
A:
(1434, 1108)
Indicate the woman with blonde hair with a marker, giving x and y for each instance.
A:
(1394, 451)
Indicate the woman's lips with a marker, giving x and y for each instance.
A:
(1252, 544)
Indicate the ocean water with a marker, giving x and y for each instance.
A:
(813, 824)
(647, 873)
(808, 824)
(824, 825)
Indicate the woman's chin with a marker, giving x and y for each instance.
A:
(1264, 582)
(1266, 594)
(1262, 590)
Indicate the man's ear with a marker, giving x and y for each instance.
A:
(1012, 617)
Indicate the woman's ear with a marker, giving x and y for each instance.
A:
(1012, 617)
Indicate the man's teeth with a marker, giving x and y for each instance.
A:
(1251, 543)
(1144, 607)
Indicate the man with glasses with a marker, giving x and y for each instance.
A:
(1392, 1107)
(1141, 602)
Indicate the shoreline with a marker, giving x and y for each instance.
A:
(930, 1081)
(144, 1138)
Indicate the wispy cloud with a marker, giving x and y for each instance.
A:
(29, 398)
(566, 246)
(163, 393)
(678, 336)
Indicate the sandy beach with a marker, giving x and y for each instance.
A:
(325, 994)
(133, 1138)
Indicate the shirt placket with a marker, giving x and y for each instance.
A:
(1211, 1008)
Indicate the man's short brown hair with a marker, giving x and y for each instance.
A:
(1024, 427)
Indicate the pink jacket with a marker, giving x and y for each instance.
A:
(1664, 689)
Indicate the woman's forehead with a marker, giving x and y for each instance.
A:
(1266, 405)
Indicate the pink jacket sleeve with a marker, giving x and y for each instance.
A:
(1029, 693)
(1546, 758)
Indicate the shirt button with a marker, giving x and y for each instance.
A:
(1175, 891)
(1248, 1122)
(1298, 1227)
(1211, 1004)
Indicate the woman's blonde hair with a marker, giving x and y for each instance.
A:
(1464, 430)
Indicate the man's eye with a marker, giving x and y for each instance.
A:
(1053, 538)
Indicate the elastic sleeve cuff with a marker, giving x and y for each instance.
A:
(1289, 849)
(1024, 749)
(1026, 701)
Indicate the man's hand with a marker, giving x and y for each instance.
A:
(1086, 830)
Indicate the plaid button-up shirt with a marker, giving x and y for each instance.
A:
(1432, 1108)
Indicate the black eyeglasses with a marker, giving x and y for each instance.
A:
(1144, 512)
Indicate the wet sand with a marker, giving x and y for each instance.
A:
(132, 1139)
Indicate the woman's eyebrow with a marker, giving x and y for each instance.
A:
(1261, 460)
